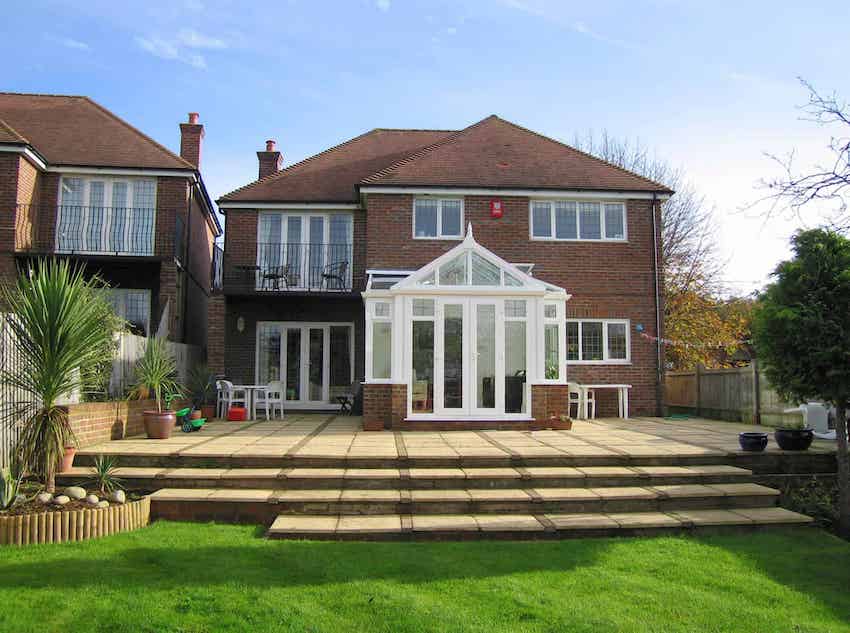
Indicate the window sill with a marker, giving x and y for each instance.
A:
(599, 362)
(444, 238)
(588, 240)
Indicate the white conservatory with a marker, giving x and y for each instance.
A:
(467, 335)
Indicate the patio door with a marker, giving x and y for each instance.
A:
(458, 352)
(315, 361)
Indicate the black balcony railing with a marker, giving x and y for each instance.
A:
(284, 267)
(96, 230)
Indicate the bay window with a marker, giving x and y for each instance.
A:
(597, 341)
(438, 218)
(578, 220)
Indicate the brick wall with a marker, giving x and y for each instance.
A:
(8, 205)
(606, 279)
(216, 309)
(548, 400)
(96, 422)
(240, 239)
(377, 407)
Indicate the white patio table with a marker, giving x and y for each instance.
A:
(622, 398)
(249, 395)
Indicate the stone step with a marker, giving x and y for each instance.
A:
(146, 478)
(242, 505)
(526, 526)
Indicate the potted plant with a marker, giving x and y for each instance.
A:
(201, 384)
(793, 436)
(61, 325)
(156, 376)
(566, 422)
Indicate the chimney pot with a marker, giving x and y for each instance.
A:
(270, 160)
(193, 118)
(270, 145)
(191, 139)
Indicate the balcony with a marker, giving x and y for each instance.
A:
(86, 230)
(286, 267)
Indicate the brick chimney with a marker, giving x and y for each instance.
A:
(271, 160)
(191, 138)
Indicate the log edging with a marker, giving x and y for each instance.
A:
(74, 525)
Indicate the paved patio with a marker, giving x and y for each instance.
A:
(311, 435)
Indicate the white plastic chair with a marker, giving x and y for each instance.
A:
(269, 398)
(575, 399)
(229, 396)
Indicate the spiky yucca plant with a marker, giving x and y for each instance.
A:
(56, 321)
(156, 374)
(104, 476)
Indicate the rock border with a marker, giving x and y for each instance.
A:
(74, 525)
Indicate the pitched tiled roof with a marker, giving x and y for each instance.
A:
(9, 135)
(500, 154)
(72, 130)
(332, 175)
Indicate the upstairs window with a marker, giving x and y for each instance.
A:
(438, 218)
(578, 220)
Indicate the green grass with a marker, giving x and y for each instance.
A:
(193, 578)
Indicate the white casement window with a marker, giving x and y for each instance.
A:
(552, 353)
(578, 220)
(438, 218)
(598, 341)
(380, 336)
(134, 306)
(115, 216)
(304, 250)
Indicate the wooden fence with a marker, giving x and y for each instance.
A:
(131, 348)
(737, 394)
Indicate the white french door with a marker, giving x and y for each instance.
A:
(314, 361)
(469, 357)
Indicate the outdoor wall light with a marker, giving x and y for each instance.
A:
(240, 324)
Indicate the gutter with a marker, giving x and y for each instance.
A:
(659, 346)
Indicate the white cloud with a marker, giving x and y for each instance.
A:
(165, 49)
(451, 30)
(76, 44)
(382, 5)
(192, 39)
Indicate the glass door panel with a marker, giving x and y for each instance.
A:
(268, 354)
(485, 356)
(422, 378)
(294, 259)
(316, 251)
(316, 371)
(340, 362)
(515, 367)
(293, 364)
(453, 355)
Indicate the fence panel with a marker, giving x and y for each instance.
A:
(131, 348)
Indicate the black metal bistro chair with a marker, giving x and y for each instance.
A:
(334, 276)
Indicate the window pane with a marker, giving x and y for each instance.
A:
(591, 340)
(139, 309)
(591, 227)
(423, 307)
(565, 220)
(339, 244)
(515, 367)
(293, 249)
(453, 273)
(382, 309)
(339, 362)
(381, 346)
(451, 218)
(316, 370)
(485, 360)
(514, 308)
(617, 341)
(550, 351)
(97, 215)
(614, 225)
(120, 192)
(268, 368)
(484, 273)
(429, 280)
(425, 220)
(293, 364)
(572, 340)
(144, 194)
(541, 220)
(453, 356)
(550, 311)
(510, 280)
(422, 395)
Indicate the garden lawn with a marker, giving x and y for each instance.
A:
(192, 577)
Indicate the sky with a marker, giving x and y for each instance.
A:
(711, 87)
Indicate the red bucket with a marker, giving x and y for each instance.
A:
(237, 414)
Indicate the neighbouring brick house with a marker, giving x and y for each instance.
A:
(465, 276)
(78, 182)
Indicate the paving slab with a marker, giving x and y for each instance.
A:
(381, 523)
(444, 523)
(182, 494)
(241, 495)
(508, 523)
(701, 518)
(745, 489)
(295, 524)
(370, 496)
(773, 515)
(566, 494)
(644, 520)
(687, 490)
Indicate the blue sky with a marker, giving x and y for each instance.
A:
(709, 85)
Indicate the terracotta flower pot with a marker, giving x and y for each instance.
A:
(195, 415)
(158, 425)
(208, 411)
(67, 459)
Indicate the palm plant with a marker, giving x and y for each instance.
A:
(201, 384)
(58, 327)
(156, 374)
(104, 476)
(10, 484)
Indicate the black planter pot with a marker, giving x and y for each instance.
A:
(752, 442)
(794, 439)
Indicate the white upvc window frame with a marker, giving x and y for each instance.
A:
(439, 201)
(552, 202)
(372, 317)
(559, 322)
(606, 359)
(85, 210)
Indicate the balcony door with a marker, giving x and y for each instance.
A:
(304, 251)
(315, 361)
(106, 215)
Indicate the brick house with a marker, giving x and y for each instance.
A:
(464, 276)
(78, 182)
